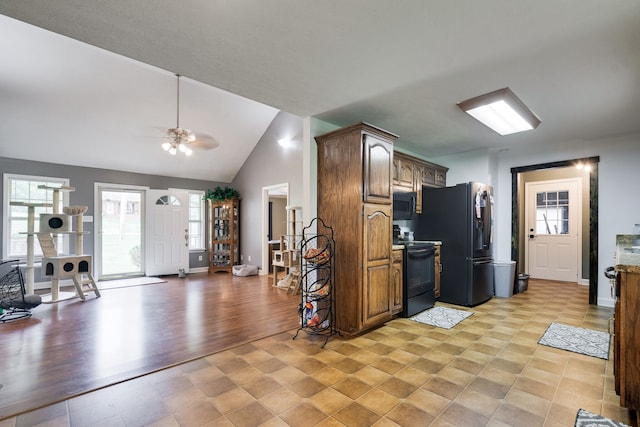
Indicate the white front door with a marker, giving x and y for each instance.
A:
(553, 229)
(167, 232)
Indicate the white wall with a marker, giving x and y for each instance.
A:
(619, 190)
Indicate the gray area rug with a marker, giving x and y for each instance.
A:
(588, 419)
(442, 317)
(578, 340)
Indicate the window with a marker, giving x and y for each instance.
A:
(196, 221)
(552, 212)
(19, 191)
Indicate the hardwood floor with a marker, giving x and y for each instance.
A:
(73, 347)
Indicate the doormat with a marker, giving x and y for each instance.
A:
(125, 283)
(588, 419)
(442, 317)
(578, 340)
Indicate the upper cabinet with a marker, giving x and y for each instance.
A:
(378, 160)
(411, 173)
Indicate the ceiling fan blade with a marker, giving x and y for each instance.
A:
(204, 142)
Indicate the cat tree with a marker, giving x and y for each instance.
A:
(54, 266)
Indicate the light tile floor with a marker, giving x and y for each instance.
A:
(486, 371)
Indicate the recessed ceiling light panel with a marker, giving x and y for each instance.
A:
(502, 111)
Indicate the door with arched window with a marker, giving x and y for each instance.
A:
(167, 232)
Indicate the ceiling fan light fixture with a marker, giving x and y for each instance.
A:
(502, 111)
(179, 138)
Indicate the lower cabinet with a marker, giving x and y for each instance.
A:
(396, 281)
(627, 339)
(438, 269)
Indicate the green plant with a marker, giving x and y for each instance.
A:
(219, 194)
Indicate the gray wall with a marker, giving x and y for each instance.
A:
(83, 180)
(269, 164)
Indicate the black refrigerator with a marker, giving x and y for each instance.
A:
(462, 218)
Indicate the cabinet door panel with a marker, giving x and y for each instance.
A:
(377, 230)
(377, 294)
(377, 299)
(378, 166)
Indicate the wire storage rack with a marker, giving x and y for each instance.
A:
(317, 266)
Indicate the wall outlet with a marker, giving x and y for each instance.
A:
(241, 257)
(200, 258)
(249, 257)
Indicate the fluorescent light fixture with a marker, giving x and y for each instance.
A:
(502, 111)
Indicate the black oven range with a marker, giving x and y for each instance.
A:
(418, 277)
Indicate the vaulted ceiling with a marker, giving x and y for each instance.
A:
(92, 82)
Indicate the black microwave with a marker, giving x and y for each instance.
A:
(404, 205)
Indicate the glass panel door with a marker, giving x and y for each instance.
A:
(120, 232)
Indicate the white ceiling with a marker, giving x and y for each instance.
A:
(402, 66)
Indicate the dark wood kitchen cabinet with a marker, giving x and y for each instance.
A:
(411, 173)
(355, 198)
(396, 281)
(626, 339)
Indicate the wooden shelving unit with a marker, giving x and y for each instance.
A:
(224, 250)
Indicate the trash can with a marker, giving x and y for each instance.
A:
(523, 282)
(504, 276)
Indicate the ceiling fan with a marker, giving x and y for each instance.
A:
(179, 138)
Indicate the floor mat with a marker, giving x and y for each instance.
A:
(588, 419)
(125, 283)
(578, 340)
(442, 317)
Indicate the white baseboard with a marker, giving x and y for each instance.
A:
(606, 302)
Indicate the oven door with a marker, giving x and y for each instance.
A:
(419, 279)
(420, 269)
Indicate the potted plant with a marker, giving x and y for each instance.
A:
(219, 194)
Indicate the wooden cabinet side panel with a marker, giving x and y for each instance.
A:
(340, 206)
(438, 268)
(396, 281)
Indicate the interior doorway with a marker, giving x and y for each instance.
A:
(275, 199)
(589, 218)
